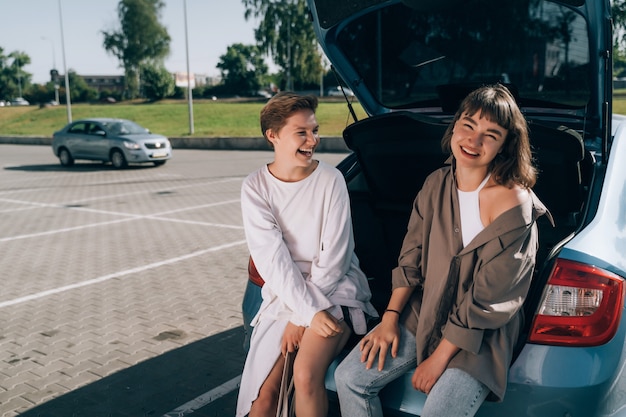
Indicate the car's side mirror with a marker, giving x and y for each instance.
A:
(99, 133)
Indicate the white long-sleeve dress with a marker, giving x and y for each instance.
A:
(300, 237)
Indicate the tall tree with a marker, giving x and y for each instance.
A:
(286, 34)
(141, 39)
(242, 68)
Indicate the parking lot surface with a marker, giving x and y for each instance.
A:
(121, 290)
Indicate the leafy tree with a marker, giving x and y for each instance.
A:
(158, 82)
(39, 93)
(242, 68)
(140, 40)
(286, 34)
(13, 79)
(79, 90)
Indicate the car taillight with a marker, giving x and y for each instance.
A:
(253, 274)
(581, 306)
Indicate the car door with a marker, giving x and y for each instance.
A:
(97, 143)
(76, 140)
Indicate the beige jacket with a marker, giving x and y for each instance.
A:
(473, 296)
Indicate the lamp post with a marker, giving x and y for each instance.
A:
(54, 74)
(19, 77)
(68, 103)
(189, 89)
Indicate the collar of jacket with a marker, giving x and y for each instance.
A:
(521, 217)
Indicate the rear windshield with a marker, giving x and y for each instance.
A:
(433, 54)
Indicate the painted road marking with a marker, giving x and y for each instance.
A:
(104, 278)
(206, 398)
(128, 217)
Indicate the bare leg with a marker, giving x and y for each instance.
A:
(266, 403)
(314, 356)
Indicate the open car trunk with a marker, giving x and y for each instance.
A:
(395, 152)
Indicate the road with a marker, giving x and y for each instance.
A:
(121, 290)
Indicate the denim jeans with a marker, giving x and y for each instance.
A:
(455, 394)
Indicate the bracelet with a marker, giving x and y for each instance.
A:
(393, 311)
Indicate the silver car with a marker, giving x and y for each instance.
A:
(118, 141)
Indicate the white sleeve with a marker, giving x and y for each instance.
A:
(273, 260)
(337, 243)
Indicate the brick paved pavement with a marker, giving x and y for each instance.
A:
(105, 272)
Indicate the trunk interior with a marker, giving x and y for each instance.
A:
(395, 152)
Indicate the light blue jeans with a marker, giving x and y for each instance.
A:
(455, 394)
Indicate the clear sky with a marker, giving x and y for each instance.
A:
(34, 27)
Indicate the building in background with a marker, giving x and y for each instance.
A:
(110, 83)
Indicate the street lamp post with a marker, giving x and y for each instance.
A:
(68, 103)
(189, 89)
(19, 77)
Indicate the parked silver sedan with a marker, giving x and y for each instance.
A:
(118, 141)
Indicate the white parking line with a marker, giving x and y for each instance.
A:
(108, 196)
(104, 278)
(206, 398)
(179, 187)
(128, 217)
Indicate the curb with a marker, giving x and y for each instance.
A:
(329, 144)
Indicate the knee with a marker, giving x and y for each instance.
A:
(307, 380)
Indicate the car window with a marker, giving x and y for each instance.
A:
(95, 129)
(78, 128)
(419, 56)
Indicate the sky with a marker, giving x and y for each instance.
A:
(34, 27)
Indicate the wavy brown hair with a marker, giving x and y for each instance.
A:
(514, 164)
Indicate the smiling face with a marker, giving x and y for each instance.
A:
(295, 143)
(476, 141)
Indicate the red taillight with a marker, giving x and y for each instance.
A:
(581, 306)
(253, 274)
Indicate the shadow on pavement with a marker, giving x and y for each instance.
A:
(159, 385)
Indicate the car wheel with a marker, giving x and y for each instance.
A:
(118, 159)
(158, 163)
(65, 157)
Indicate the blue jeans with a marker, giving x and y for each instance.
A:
(455, 394)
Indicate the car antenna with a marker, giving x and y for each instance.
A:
(340, 84)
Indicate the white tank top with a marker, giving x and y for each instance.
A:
(471, 224)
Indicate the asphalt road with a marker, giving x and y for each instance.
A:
(121, 290)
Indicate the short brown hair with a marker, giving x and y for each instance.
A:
(514, 165)
(279, 108)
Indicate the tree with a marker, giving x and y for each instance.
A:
(13, 78)
(158, 82)
(242, 68)
(286, 34)
(141, 39)
(79, 90)
(39, 93)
